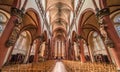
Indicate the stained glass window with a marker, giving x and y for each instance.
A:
(117, 19)
(117, 23)
(3, 21)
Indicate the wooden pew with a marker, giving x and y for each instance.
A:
(46, 66)
(77, 66)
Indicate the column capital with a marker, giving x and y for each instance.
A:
(17, 12)
(103, 12)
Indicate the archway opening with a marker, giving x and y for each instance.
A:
(98, 50)
(21, 49)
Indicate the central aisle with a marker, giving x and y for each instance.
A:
(59, 67)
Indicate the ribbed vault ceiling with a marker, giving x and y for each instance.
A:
(59, 16)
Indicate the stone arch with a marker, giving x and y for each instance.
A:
(38, 21)
(85, 25)
(19, 53)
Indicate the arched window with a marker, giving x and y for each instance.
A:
(3, 20)
(117, 18)
(23, 43)
(116, 21)
(99, 47)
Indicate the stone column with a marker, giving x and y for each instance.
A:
(49, 50)
(66, 49)
(52, 49)
(108, 31)
(108, 54)
(28, 54)
(61, 48)
(45, 51)
(82, 55)
(10, 33)
(91, 54)
(57, 48)
(73, 52)
(114, 41)
(38, 43)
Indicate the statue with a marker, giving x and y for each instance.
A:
(102, 31)
(107, 40)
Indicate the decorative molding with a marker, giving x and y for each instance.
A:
(41, 38)
(17, 12)
(18, 21)
(13, 37)
(78, 37)
(109, 42)
(103, 12)
(16, 30)
(103, 31)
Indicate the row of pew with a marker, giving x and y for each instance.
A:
(46, 66)
(77, 66)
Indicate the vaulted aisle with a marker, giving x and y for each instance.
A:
(83, 34)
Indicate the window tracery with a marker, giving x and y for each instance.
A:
(116, 21)
(3, 21)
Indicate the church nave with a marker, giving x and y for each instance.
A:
(59, 35)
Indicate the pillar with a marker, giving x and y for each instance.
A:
(49, 50)
(46, 51)
(57, 48)
(88, 51)
(63, 50)
(91, 54)
(82, 55)
(60, 48)
(115, 44)
(73, 52)
(10, 33)
(28, 53)
(66, 49)
(52, 48)
(38, 43)
(108, 54)
(114, 37)
(44, 55)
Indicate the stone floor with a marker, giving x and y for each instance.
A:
(59, 67)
